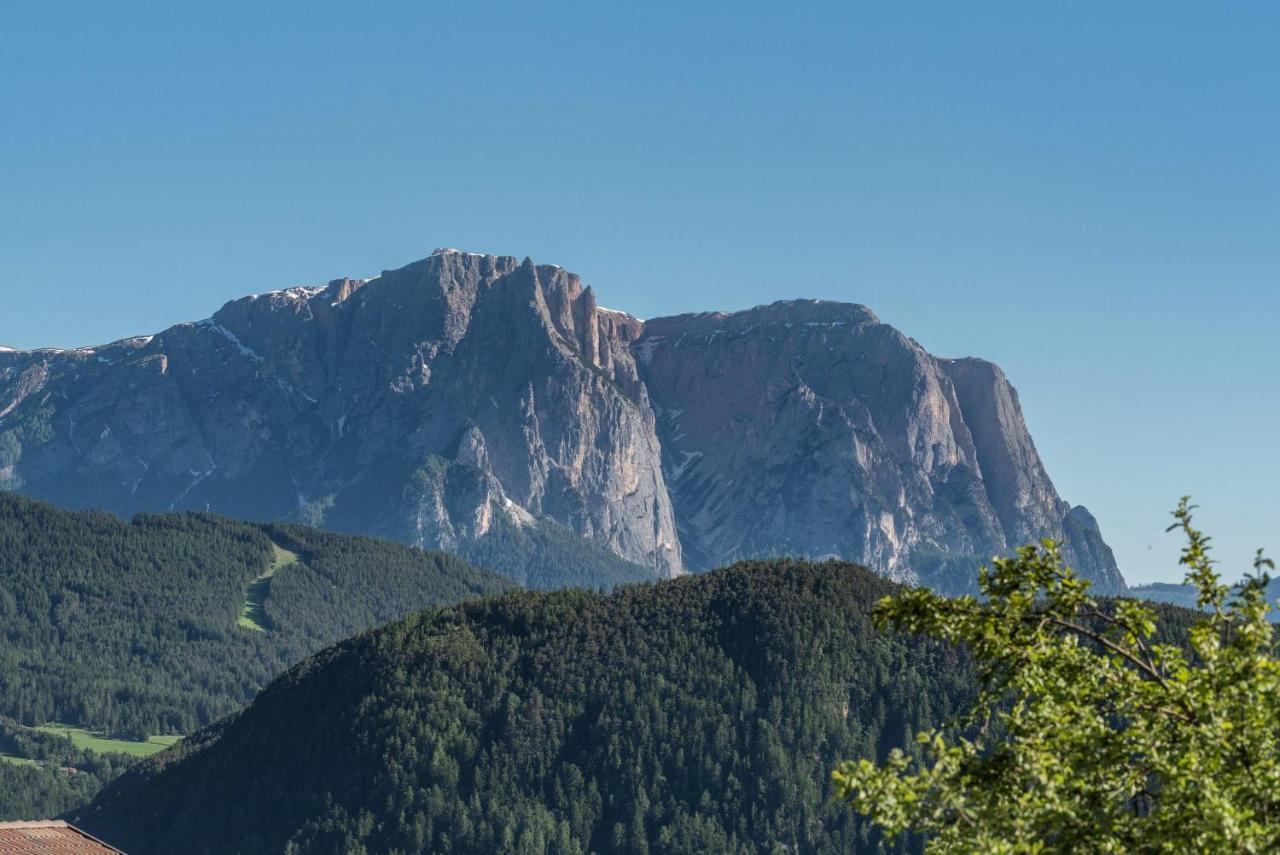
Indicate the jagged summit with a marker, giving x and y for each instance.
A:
(468, 399)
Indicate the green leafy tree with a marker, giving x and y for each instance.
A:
(1092, 733)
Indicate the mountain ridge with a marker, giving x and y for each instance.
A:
(165, 623)
(697, 714)
(433, 402)
(143, 612)
(700, 714)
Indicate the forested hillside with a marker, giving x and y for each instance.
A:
(134, 628)
(545, 556)
(702, 714)
(43, 775)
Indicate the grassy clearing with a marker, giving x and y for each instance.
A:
(85, 740)
(253, 615)
(16, 760)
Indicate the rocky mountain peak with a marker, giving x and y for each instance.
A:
(447, 400)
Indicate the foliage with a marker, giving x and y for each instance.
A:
(545, 555)
(55, 775)
(695, 715)
(130, 628)
(35, 790)
(1090, 733)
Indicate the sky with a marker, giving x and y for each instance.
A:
(1086, 193)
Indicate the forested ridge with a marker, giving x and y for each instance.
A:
(547, 556)
(130, 627)
(698, 715)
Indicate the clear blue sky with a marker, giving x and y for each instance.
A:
(1086, 193)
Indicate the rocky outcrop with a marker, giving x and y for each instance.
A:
(435, 402)
(811, 427)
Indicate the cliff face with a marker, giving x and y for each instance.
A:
(810, 427)
(467, 393)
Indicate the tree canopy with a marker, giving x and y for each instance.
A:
(700, 714)
(131, 627)
(1091, 732)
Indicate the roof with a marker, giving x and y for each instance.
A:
(49, 837)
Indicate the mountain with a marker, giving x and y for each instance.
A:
(813, 428)
(169, 622)
(1185, 595)
(697, 715)
(491, 407)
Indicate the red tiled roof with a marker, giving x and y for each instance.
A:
(49, 837)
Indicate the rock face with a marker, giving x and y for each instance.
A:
(466, 394)
(811, 427)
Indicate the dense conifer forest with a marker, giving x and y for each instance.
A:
(698, 715)
(43, 775)
(131, 628)
(546, 556)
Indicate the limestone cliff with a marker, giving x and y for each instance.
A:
(468, 396)
(811, 427)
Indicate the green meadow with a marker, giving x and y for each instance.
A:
(88, 741)
(16, 760)
(253, 614)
